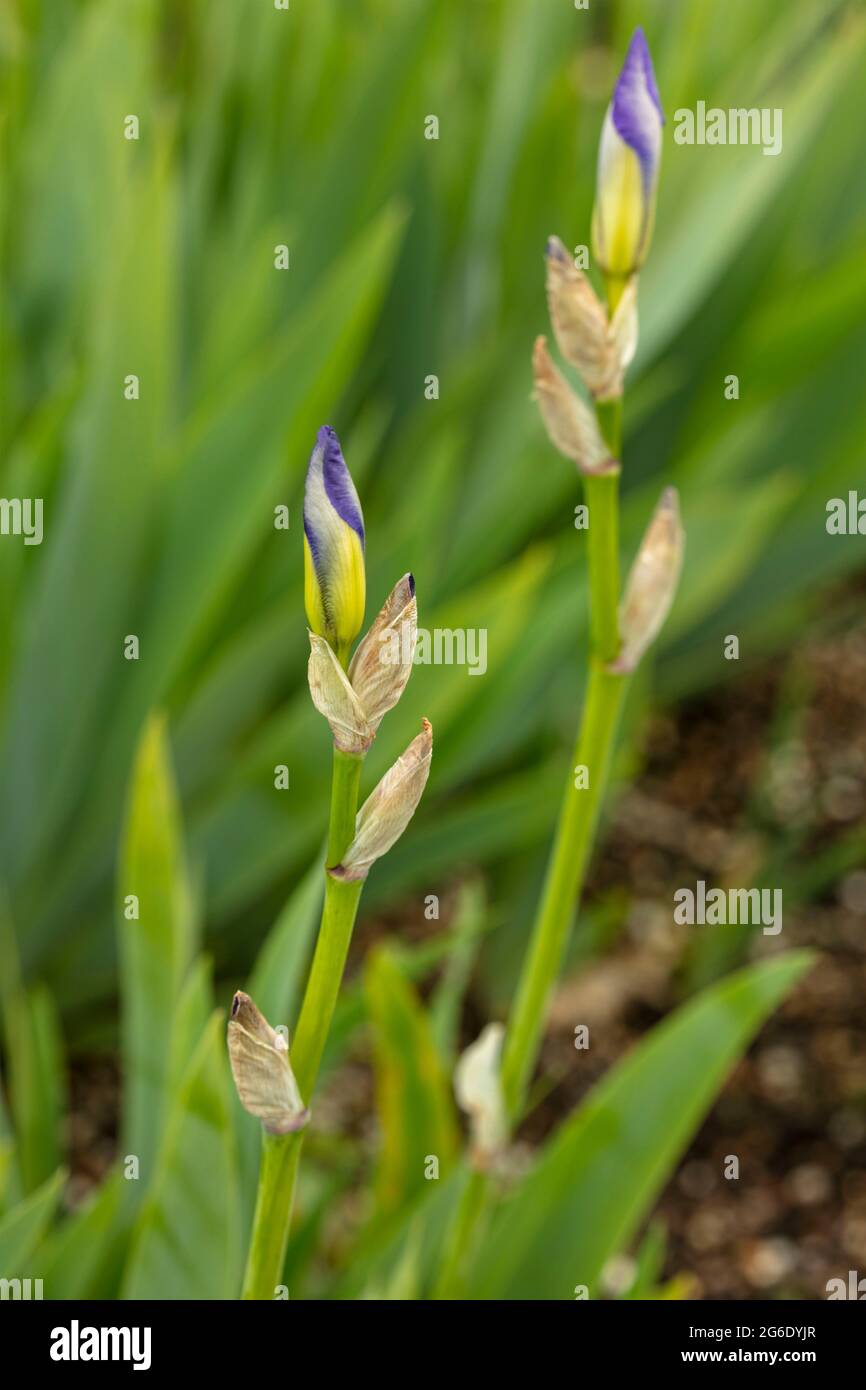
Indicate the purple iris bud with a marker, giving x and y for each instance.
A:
(334, 576)
(628, 166)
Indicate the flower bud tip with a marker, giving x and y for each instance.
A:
(334, 577)
(628, 166)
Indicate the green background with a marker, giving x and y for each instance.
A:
(408, 257)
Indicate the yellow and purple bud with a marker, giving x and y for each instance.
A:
(334, 575)
(628, 166)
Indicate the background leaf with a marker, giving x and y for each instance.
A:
(22, 1228)
(156, 945)
(186, 1242)
(601, 1171)
(413, 1097)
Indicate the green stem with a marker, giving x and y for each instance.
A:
(267, 1253)
(281, 1153)
(609, 416)
(563, 885)
(579, 812)
(603, 547)
(602, 497)
(572, 844)
(335, 933)
(577, 822)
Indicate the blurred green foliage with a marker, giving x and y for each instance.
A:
(408, 257)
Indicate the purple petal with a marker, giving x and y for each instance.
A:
(628, 106)
(327, 461)
(338, 482)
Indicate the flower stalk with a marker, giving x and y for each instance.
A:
(602, 499)
(281, 1153)
(600, 344)
(335, 933)
(599, 341)
(353, 696)
(563, 884)
(593, 750)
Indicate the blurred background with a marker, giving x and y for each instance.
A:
(412, 257)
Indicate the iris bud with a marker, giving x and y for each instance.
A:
(334, 575)
(628, 167)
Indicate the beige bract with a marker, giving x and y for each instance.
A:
(570, 424)
(389, 809)
(600, 347)
(652, 582)
(355, 704)
(263, 1076)
(478, 1088)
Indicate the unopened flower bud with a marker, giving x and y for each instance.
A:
(478, 1088)
(598, 346)
(382, 663)
(652, 582)
(570, 424)
(260, 1065)
(628, 167)
(334, 575)
(389, 809)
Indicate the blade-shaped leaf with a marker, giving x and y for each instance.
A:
(155, 941)
(37, 1082)
(186, 1241)
(606, 1165)
(84, 1257)
(413, 1096)
(22, 1228)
